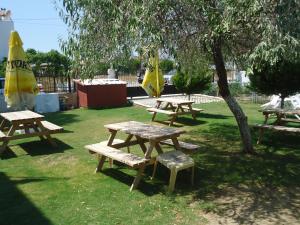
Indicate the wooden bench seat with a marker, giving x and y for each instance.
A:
(169, 113)
(290, 120)
(193, 109)
(263, 127)
(116, 154)
(2, 135)
(277, 128)
(184, 145)
(53, 128)
(115, 144)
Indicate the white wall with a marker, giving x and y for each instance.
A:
(6, 26)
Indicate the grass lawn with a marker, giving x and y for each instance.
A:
(43, 185)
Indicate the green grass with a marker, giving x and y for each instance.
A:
(43, 185)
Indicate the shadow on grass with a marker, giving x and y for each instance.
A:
(8, 154)
(15, 207)
(248, 188)
(34, 148)
(61, 118)
(212, 116)
(181, 122)
(146, 186)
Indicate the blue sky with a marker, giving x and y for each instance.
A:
(37, 22)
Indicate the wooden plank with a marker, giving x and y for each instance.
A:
(194, 109)
(161, 111)
(25, 115)
(154, 132)
(290, 120)
(277, 128)
(146, 131)
(123, 125)
(115, 141)
(51, 126)
(118, 155)
(21, 136)
(183, 145)
(2, 135)
(175, 101)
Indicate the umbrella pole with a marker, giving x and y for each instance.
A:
(156, 68)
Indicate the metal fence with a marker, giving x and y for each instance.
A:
(55, 83)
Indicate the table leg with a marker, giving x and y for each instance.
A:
(138, 177)
(26, 128)
(181, 109)
(158, 148)
(279, 117)
(149, 149)
(141, 143)
(2, 125)
(110, 141)
(172, 181)
(172, 120)
(111, 137)
(154, 113)
(174, 116)
(261, 132)
(101, 163)
(5, 142)
(47, 135)
(128, 139)
(176, 143)
(266, 118)
(36, 129)
(192, 111)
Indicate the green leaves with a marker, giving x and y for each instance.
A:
(103, 30)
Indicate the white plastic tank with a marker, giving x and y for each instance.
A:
(6, 26)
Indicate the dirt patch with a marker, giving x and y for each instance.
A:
(256, 206)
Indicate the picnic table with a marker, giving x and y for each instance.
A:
(137, 134)
(29, 124)
(173, 107)
(282, 117)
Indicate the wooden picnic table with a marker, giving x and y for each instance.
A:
(174, 107)
(281, 118)
(142, 133)
(33, 124)
(281, 115)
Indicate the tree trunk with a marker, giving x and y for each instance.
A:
(233, 105)
(282, 101)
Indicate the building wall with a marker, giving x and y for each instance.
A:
(6, 26)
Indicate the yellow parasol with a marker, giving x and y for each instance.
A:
(153, 82)
(20, 84)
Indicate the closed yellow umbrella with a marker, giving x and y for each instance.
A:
(20, 84)
(153, 82)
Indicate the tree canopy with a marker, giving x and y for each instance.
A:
(56, 63)
(220, 30)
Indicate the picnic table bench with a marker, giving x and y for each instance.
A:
(281, 115)
(173, 108)
(33, 124)
(143, 133)
(281, 119)
(278, 128)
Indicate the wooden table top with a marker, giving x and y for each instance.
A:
(175, 101)
(21, 115)
(281, 111)
(146, 131)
